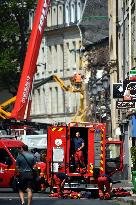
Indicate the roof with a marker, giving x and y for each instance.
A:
(94, 24)
(11, 143)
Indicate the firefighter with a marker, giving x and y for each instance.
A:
(41, 167)
(60, 179)
(78, 152)
(77, 80)
(104, 184)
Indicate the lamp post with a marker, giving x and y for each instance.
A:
(96, 88)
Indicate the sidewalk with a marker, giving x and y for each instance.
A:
(127, 185)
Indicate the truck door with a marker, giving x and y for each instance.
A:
(114, 157)
(6, 168)
(56, 150)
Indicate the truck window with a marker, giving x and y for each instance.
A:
(14, 151)
(112, 157)
(4, 156)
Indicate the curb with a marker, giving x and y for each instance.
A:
(127, 199)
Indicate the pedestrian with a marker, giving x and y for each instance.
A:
(25, 163)
(37, 155)
(60, 179)
(78, 152)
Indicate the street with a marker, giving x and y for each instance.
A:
(7, 197)
(49, 201)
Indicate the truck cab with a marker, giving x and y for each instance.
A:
(9, 150)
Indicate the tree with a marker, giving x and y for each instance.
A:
(14, 33)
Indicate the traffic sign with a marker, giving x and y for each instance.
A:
(124, 105)
(117, 90)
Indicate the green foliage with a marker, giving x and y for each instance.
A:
(14, 16)
(133, 155)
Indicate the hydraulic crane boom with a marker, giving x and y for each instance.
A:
(5, 114)
(59, 81)
(29, 68)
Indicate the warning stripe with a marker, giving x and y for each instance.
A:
(91, 168)
(53, 129)
(102, 149)
(10, 169)
(60, 129)
(57, 129)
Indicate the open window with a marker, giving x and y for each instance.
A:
(5, 158)
(114, 157)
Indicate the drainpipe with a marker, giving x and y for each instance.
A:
(130, 66)
(130, 30)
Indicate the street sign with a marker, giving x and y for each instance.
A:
(132, 75)
(129, 90)
(124, 105)
(117, 90)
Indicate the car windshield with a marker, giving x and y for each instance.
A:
(14, 151)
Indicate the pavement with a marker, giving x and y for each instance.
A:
(127, 185)
(55, 201)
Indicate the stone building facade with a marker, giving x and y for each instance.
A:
(59, 55)
(122, 43)
(94, 29)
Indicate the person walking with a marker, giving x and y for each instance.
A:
(24, 162)
(78, 152)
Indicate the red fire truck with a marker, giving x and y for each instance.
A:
(9, 149)
(99, 152)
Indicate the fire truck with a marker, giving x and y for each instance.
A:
(99, 152)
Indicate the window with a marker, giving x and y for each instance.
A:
(50, 100)
(4, 157)
(68, 55)
(78, 11)
(67, 15)
(31, 19)
(60, 15)
(61, 56)
(14, 151)
(55, 59)
(38, 101)
(54, 16)
(49, 18)
(72, 13)
(49, 58)
(56, 99)
(74, 53)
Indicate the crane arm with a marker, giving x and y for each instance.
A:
(59, 81)
(8, 102)
(29, 68)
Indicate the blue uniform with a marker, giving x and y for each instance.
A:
(78, 143)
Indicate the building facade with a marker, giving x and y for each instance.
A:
(122, 42)
(59, 55)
